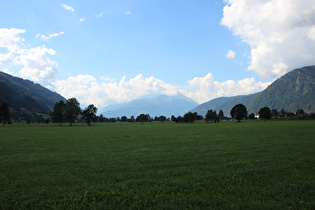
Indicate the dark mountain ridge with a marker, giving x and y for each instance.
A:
(21, 93)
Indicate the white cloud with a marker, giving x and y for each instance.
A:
(66, 7)
(89, 91)
(127, 12)
(9, 38)
(103, 13)
(107, 79)
(100, 15)
(280, 33)
(8, 72)
(311, 33)
(81, 20)
(206, 88)
(46, 38)
(230, 54)
(34, 63)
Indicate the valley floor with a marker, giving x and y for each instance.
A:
(253, 164)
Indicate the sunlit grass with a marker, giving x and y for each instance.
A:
(203, 165)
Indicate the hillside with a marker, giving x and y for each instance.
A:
(25, 94)
(157, 106)
(224, 103)
(292, 90)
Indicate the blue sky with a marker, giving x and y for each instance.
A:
(113, 51)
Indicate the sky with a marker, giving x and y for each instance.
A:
(113, 51)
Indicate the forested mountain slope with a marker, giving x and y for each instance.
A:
(20, 93)
(293, 90)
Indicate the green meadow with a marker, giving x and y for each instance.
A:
(229, 165)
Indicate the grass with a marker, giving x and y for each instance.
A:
(159, 166)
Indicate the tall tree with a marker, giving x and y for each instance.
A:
(239, 112)
(190, 117)
(265, 113)
(89, 114)
(216, 117)
(124, 119)
(143, 118)
(300, 112)
(162, 118)
(221, 114)
(210, 115)
(282, 113)
(251, 116)
(58, 114)
(173, 118)
(275, 113)
(4, 114)
(72, 110)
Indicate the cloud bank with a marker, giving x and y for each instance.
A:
(89, 90)
(34, 62)
(280, 33)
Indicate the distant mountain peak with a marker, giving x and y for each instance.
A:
(158, 105)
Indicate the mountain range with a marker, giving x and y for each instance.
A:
(160, 105)
(294, 90)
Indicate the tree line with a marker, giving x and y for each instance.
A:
(239, 112)
(71, 112)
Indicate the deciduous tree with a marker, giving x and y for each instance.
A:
(210, 115)
(265, 113)
(275, 113)
(162, 118)
(124, 119)
(221, 114)
(190, 117)
(239, 112)
(58, 113)
(4, 114)
(251, 116)
(143, 118)
(72, 110)
(89, 114)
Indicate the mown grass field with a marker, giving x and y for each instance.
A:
(254, 165)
